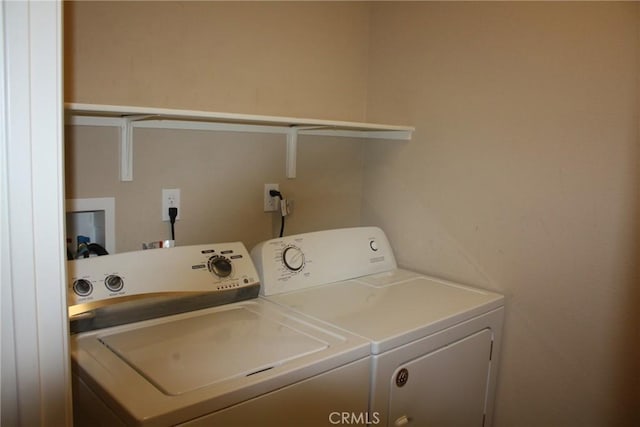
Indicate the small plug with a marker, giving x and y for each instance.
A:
(173, 213)
(275, 193)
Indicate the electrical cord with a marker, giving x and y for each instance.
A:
(173, 213)
(276, 193)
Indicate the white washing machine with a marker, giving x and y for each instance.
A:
(178, 337)
(434, 343)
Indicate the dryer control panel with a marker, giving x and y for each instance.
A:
(305, 260)
(186, 269)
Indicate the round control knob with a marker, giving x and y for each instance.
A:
(220, 266)
(82, 287)
(114, 283)
(293, 258)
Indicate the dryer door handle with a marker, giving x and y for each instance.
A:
(402, 421)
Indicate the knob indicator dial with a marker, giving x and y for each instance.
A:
(82, 287)
(293, 258)
(114, 283)
(220, 266)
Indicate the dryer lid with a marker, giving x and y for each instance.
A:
(391, 308)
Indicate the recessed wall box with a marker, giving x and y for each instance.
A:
(92, 218)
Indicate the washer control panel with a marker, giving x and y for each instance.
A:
(201, 268)
(306, 260)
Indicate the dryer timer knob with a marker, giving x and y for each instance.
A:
(293, 258)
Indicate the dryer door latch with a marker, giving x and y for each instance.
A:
(402, 421)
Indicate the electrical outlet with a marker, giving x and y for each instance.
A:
(271, 203)
(170, 199)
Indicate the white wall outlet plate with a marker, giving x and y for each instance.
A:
(271, 203)
(170, 198)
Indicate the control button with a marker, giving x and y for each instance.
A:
(114, 283)
(226, 252)
(220, 266)
(208, 251)
(373, 245)
(293, 258)
(82, 287)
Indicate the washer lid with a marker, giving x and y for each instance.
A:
(194, 352)
(391, 308)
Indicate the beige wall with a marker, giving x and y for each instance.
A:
(304, 59)
(522, 177)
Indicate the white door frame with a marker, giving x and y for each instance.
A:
(36, 382)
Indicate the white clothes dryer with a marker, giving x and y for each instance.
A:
(434, 344)
(178, 337)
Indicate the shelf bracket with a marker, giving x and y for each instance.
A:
(292, 151)
(126, 149)
(126, 146)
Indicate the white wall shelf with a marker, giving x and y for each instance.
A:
(128, 118)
